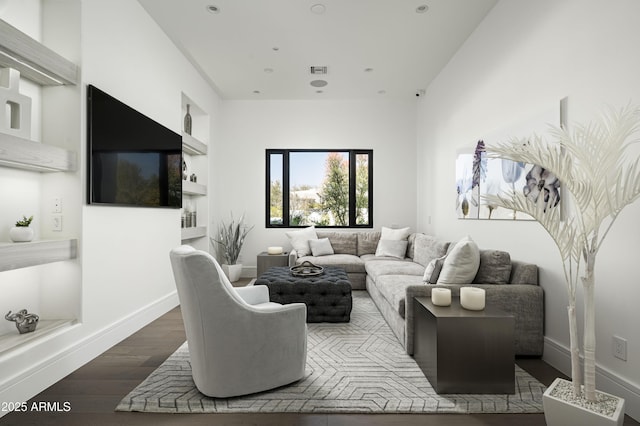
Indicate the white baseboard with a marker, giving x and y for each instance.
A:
(558, 356)
(48, 371)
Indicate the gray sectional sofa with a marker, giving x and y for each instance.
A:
(393, 282)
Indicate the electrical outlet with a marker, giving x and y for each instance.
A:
(620, 348)
(57, 205)
(56, 222)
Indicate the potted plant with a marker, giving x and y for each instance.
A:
(230, 239)
(598, 179)
(21, 232)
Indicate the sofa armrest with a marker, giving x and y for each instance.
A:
(523, 273)
(524, 301)
(293, 257)
(418, 290)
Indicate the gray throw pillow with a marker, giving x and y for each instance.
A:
(495, 267)
(392, 248)
(432, 272)
(321, 247)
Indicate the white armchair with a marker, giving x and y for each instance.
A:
(239, 342)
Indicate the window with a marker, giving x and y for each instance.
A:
(325, 188)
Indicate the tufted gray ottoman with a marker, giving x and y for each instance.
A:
(327, 296)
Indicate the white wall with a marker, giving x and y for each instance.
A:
(250, 127)
(126, 250)
(522, 59)
(122, 279)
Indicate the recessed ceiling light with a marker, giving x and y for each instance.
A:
(212, 8)
(422, 8)
(268, 70)
(275, 48)
(318, 9)
(382, 92)
(319, 91)
(257, 92)
(319, 83)
(368, 70)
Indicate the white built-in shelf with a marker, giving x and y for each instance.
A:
(193, 146)
(194, 232)
(193, 188)
(23, 255)
(35, 61)
(14, 339)
(23, 153)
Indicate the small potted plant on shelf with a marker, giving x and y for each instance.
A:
(22, 232)
(230, 239)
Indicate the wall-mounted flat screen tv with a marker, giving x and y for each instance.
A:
(133, 160)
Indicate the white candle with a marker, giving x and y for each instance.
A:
(274, 250)
(441, 296)
(472, 298)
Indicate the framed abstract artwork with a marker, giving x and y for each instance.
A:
(478, 175)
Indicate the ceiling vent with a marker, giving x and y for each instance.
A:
(318, 70)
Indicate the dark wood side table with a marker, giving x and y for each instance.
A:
(462, 351)
(266, 261)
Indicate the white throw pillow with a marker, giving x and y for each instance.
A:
(392, 248)
(432, 272)
(394, 234)
(300, 240)
(461, 264)
(321, 247)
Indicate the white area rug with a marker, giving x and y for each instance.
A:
(356, 367)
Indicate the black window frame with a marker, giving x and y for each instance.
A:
(353, 153)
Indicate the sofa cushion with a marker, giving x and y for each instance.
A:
(342, 242)
(349, 262)
(461, 264)
(321, 247)
(378, 268)
(394, 234)
(412, 245)
(372, 257)
(495, 267)
(300, 240)
(392, 248)
(393, 289)
(428, 248)
(367, 242)
(432, 272)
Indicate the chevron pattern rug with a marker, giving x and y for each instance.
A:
(356, 367)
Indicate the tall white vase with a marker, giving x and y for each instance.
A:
(232, 272)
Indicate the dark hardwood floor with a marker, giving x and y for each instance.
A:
(93, 391)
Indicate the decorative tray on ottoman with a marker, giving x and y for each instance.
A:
(306, 269)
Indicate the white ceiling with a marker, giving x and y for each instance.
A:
(268, 46)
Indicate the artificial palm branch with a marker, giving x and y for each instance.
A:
(231, 238)
(592, 163)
